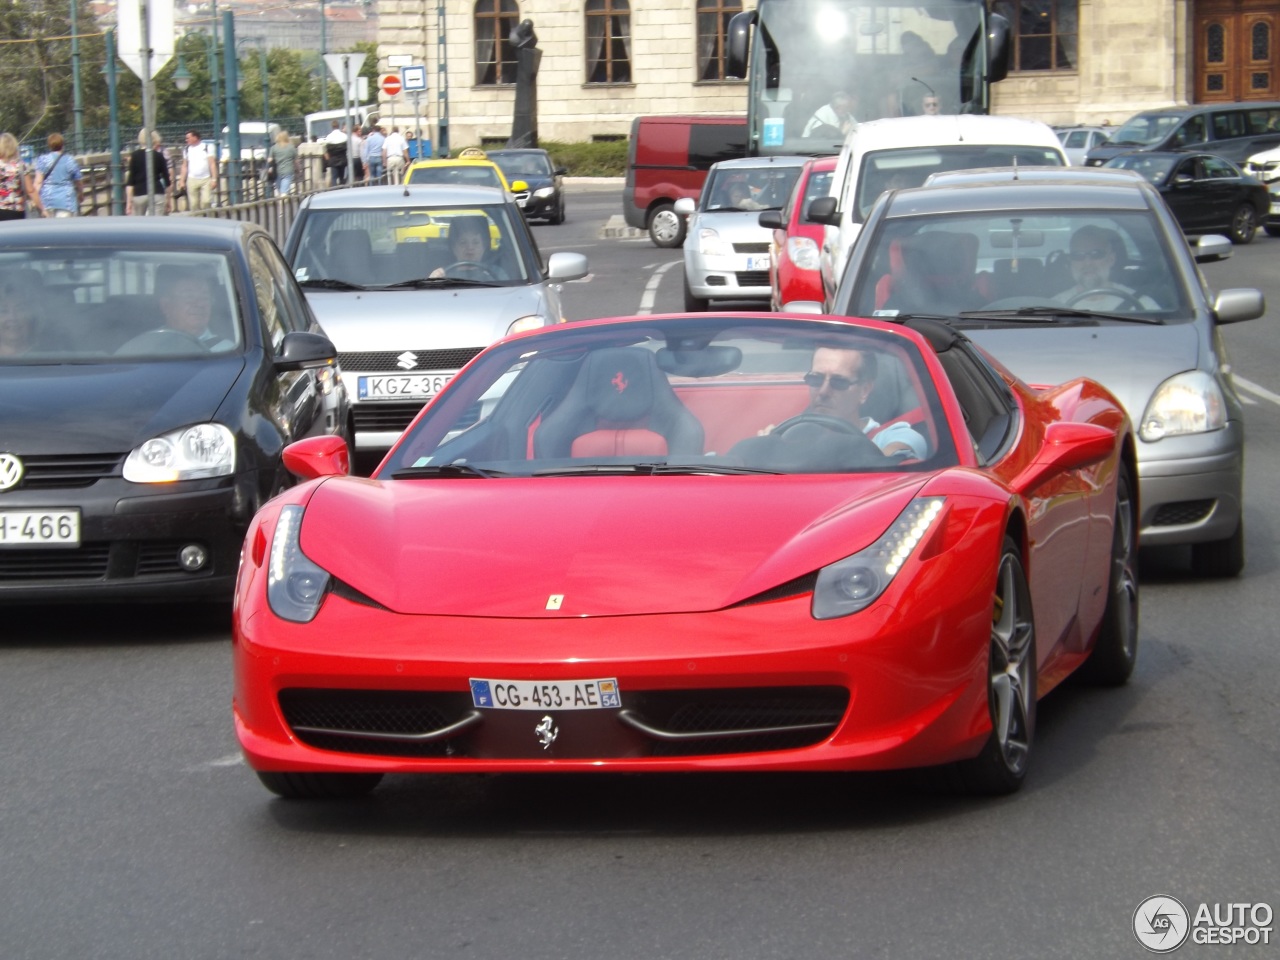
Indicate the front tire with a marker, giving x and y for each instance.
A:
(1116, 651)
(557, 218)
(666, 227)
(1244, 224)
(1220, 559)
(1002, 765)
(319, 786)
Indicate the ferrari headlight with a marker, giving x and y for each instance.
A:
(531, 322)
(852, 584)
(709, 244)
(1190, 402)
(295, 585)
(189, 453)
(803, 252)
(545, 192)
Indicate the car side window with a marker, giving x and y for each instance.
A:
(266, 291)
(1217, 169)
(1228, 124)
(297, 316)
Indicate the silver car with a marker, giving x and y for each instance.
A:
(407, 302)
(1082, 276)
(726, 251)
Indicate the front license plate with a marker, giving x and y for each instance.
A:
(541, 695)
(399, 386)
(39, 528)
(1275, 208)
(758, 263)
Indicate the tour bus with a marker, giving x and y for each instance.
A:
(886, 54)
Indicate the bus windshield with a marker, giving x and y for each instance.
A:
(818, 66)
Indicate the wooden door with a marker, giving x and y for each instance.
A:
(1236, 50)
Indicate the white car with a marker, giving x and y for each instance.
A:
(1265, 165)
(726, 251)
(1078, 141)
(899, 152)
(404, 308)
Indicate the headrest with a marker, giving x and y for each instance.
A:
(619, 383)
(940, 254)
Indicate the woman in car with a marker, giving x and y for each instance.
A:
(472, 250)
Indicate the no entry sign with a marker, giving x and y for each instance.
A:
(390, 84)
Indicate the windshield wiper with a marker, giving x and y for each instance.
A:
(1043, 314)
(420, 282)
(651, 469)
(450, 470)
(329, 283)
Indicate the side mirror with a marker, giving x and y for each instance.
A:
(303, 350)
(823, 210)
(566, 266)
(313, 457)
(771, 220)
(519, 186)
(1183, 180)
(1238, 303)
(1067, 446)
(1211, 248)
(685, 206)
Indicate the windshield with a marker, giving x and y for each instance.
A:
(1108, 262)
(94, 305)
(909, 167)
(751, 188)
(817, 64)
(384, 246)
(1146, 129)
(728, 395)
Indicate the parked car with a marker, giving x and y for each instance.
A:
(1231, 130)
(406, 312)
(1078, 141)
(794, 276)
(151, 371)
(726, 256)
(1207, 194)
(611, 569)
(543, 196)
(1083, 277)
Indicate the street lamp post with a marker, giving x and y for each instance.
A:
(324, 49)
(233, 107)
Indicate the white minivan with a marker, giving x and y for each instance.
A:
(902, 152)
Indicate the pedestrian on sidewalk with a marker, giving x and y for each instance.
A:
(59, 181)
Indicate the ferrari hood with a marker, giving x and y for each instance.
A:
(602, 545)
(84, 408)
(1130, 360)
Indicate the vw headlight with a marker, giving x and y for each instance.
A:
(1190, 402)
(189, 453)
(295, 585)
(803, 252)
(852, 584)
(709, 244)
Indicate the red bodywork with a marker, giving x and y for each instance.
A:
(680, 584)
(790, 281)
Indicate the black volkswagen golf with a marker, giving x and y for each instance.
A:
(151, 371)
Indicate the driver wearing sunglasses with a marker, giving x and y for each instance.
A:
(1093, 255)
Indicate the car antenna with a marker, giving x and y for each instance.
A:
(1015, 166)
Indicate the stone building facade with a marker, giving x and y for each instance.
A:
(605, 61)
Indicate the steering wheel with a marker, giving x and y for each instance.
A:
(1127, 300)
(819, 420)
(465, 267)
(162, 340)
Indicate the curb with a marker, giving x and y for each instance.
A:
(617, 226)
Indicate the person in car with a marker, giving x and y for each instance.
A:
(738, 194)
(1093, 253)
(834, 119)
(186, 303)
(471, 247)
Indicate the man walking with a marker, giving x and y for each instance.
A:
(395, 155)
(373, 144)
(199, 175)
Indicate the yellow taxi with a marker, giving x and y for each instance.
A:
(471, 168)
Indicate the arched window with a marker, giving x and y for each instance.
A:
(713, 28)
(495, 57)
(608, 41)
(1215, 43)
(1044, 33)
(1260, 36)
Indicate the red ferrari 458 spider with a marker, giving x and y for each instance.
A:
(694, 543)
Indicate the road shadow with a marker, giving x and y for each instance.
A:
(65, 625)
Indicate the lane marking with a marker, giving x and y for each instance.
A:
(1261, 392)
(651, 288)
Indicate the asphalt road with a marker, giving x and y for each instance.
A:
(129, 827)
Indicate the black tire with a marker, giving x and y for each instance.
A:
(1002, 765)
(666, 227)
(1219, 559)
(1114, 655)
(1244, 224)
(319, 786)
(691, 303)
(557, 218)
(1272, 231)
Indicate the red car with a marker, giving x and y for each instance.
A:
(698, 542)
(793, 253)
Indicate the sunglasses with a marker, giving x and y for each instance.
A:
(816, 381)
(1097, 253)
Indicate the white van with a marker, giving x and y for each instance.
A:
(902, 152)
(255, 139)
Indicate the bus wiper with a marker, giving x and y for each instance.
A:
(1044, 314)
(463, 471)
(329, 283)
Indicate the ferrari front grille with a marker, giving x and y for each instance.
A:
(383, 722)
